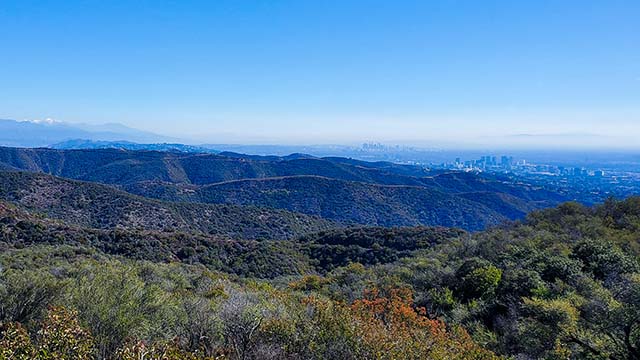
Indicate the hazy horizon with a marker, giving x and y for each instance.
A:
(442, 74)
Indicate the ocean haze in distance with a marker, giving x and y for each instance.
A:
(47, 132)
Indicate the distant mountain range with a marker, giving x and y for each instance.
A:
(47, 132)
(128, 145)
(341, 190)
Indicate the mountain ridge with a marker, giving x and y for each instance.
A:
(100, 206)
(48, 132)
(342, 190)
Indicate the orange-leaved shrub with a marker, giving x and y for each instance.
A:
(393, 328)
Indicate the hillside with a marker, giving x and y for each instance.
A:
(563, 283)
(99, 206)
(21, 229)
(122, 167)
(18, 229)
(335, 188)
(317, 251)
(346, 201)
(331, 249)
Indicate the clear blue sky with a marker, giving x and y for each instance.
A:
(326, 71)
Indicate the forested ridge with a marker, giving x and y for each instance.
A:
(563, 283)
(339, 189)
(350, 202)
(98, 206)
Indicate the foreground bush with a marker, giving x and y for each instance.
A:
(60, 337)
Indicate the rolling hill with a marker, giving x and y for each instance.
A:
(339, 189)
(346, 201)
(103, 207)
(318, 251)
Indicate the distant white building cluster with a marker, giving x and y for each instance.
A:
(507, 163)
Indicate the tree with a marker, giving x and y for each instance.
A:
(478, 278)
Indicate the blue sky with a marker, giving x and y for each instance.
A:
(328, 71)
